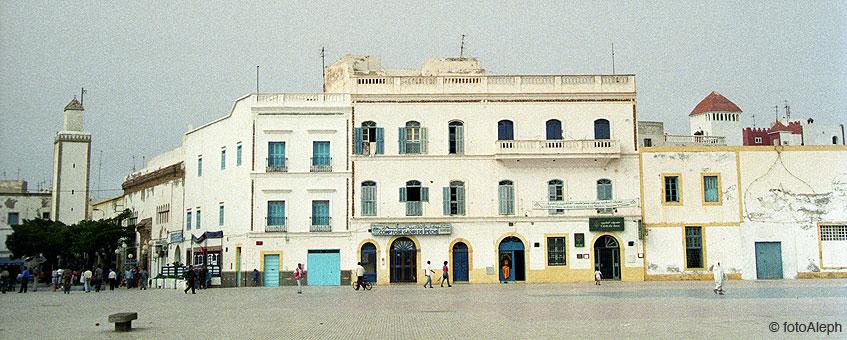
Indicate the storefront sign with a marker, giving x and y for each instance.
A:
(411, 229)
(579, 240)
(605, 223)
(577, 205)
(176, 237)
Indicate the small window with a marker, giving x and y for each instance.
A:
(369, 198)
(454, 198)
(505, 130)
(604, 190)
(199, 166)
(694, 247)
(188, 220)
(14, 218)
(413, 138)
(601, 129)
(711, 189)
(671, 189)
(221, 215)
(648, 142)
(238, 155)
(506, 198)
(223, 159)
(556, 192)
(276, 155)
(197, 215)
(556, 251)
(554, 129)
(455, 138)
(276, 213)
(320, 213)
(834, 140)
(758, 140)
(834, 233)
(368, 139)
(413, 194)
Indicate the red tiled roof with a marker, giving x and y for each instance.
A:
(715, 102)
(793, 127)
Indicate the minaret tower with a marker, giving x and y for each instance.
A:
(71, 158)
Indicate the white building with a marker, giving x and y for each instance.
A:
(71, 156)
(716, 116)
(451, 164)
(17, 205)
(757, 210)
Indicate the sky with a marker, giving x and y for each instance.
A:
(152, 69)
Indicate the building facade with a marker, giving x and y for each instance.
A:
(17, 205)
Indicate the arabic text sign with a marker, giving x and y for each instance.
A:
(576, 205)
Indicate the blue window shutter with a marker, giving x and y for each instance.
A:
(401, 139)
(238, 155)
(380, 149)
(402, 194)
(460, 197)
(357, 141)
(446, 200)
(424, 194)
(460, 140)
(424, 143)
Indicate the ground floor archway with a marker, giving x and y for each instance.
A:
(403, 257)
(511, 260)
(607, 257)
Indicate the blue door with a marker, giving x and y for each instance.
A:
(768, 260)
(323, 267)
(511, 260)
(271, 271)
(460, 262)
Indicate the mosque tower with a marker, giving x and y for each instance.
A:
(71, 163)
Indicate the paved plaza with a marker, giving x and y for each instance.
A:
(633, 310)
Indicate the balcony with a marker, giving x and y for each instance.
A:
(321, 164)
(541, 149)
(276, 224)
(491, 84)
(320, 224)
(277, 164)
(692, 140)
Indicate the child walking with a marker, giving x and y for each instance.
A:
(597, 276)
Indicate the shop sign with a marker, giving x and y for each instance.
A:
(578, 205)
(605, 223)
(176, 237)
(411, 229)
(579, 240)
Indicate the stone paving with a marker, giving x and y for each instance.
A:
(631, 310)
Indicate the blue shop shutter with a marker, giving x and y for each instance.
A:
(380, 149)
(357, 141)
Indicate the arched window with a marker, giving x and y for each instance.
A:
(413, 194)
(505, 130)
(369, 198)
(601, 129)
(554, 129)
(454, 198)
(834, 140)
(556, 192)
(456, 138)
(604, 190)
(368, 139)
(412, 138)
(506, 197)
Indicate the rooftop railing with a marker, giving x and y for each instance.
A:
(493, 84)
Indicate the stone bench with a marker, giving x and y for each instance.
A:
(123, 321)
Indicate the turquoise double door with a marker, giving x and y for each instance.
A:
(323, 267)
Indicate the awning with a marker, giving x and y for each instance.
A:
(208, 234)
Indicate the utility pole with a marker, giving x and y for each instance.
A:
(323, 69)
(462, 48)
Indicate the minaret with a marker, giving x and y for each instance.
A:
(71, 158)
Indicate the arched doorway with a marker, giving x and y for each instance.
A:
(403, 260)
(460, 262)
(607, 257)
(369, 261)
(177, 254)
(512, 267)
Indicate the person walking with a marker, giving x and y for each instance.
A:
(24, 280)
(59, 275)
(86, 276)
(428, 272)
(360, 276)
(128, 278)
(255, 277)
(98, 279)
(54, 279)
(67, 277)
(4, 280)
(190, 275)
(720, 276)
(445, 276)
(142, 279)
(298, 274)
(202, 277)
(597, 276)
(208, 277)
(113, 279)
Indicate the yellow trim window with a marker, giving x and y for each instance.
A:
(671, 189)
(711, 189)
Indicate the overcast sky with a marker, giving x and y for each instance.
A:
(151, 70)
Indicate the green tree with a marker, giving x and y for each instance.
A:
(39, 237)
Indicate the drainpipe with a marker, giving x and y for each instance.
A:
(842, 135)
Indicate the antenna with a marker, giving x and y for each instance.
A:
(323, 68)
(787, 112)
(82, 96)
(257, 81)
(99, 167)
(776, 113)
(613, 58)
(753, 115)
(462, 47)
(133, 163)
